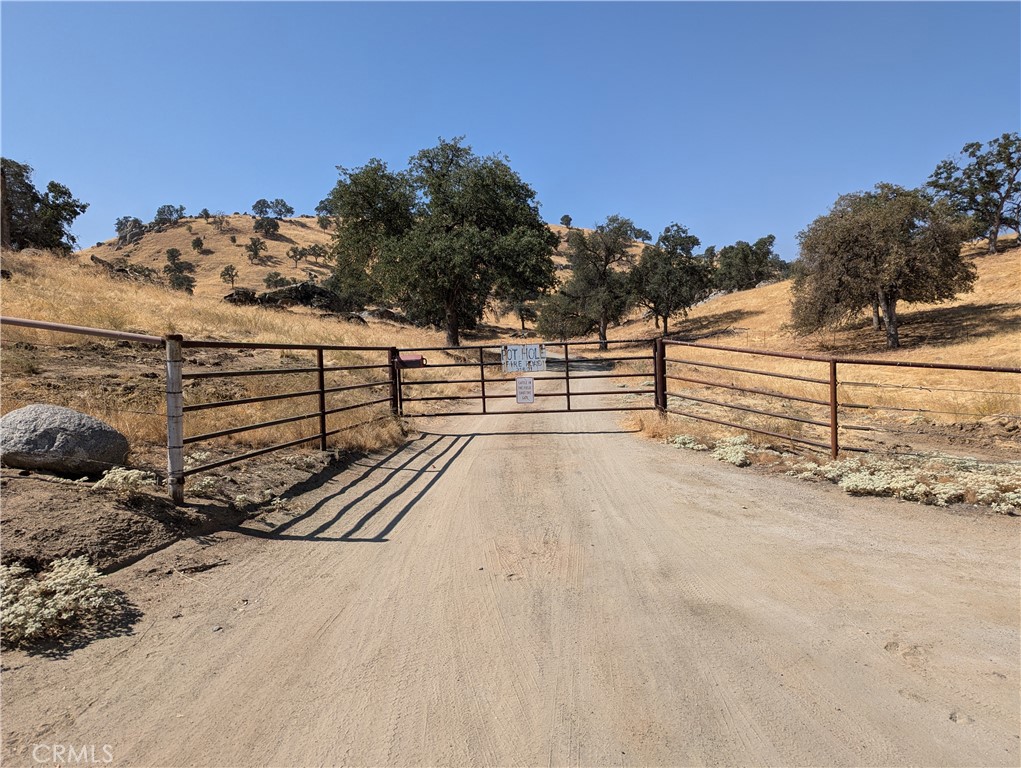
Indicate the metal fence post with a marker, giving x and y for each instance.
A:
(395, 386)
(834, 444)
(482, 376)
(175, 419)
(659, 375)
(567, 376)
(322, 399)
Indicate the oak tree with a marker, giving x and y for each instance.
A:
(985, 184)
(876, 249)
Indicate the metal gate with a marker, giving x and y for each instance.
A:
(575, 372)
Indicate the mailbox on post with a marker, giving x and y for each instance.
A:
(411, 361)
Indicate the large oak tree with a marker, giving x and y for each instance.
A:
(438, 238)
(878, 248)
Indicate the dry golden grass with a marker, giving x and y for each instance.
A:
(983, 328)
(55, 289)
(219, 251)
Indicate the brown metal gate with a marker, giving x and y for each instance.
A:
(474, 375)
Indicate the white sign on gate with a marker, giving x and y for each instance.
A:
(525, 386)
(523, 358)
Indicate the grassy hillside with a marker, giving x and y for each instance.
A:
(218, 251)
(982, 327)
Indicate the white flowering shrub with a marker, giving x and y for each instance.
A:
(689, 442)
(195, 458)
(939, 480)
(930, 479)
(126, 480)
(205, 485)
(68, 595)
(302, 461)
(734, 450)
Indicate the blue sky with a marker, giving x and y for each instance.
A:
(734, 119)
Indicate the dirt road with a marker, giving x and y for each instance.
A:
(551, 590)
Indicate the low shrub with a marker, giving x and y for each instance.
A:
(68, 596)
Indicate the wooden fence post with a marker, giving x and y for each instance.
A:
(175, 419)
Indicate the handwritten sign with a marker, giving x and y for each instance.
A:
(525, 388)
(523, 358)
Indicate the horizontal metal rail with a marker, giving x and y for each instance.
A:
(752, 390)
(510, 395)
(745, 427)
(544, 343)
(252, 372)
(789, 376)
(355, 406)
(249, 400)
(248, 428)
(751, 410)
(276, 371)
(249, 455)
(348, 387)
(81, 330)
(519, 413)
(277, 447)
(849, 360)
(208, 344)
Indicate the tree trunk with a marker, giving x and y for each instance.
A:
(603, 325)
(665, 319)
(655, 318)
(522, 319)
(889, 304)
(453, 327)
(5, 215)
(876, 324)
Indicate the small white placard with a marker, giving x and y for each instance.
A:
(523, 358)
(525, 389)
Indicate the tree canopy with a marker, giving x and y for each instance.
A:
(874, 249)
(438, 238)
(669, 278)
(985, 184)
(168, 215)
(599, 290)
(34, 219)
(742, 266)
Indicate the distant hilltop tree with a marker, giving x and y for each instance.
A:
(168, 215)
(278, 209)
(565, 221)
(33, 219)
